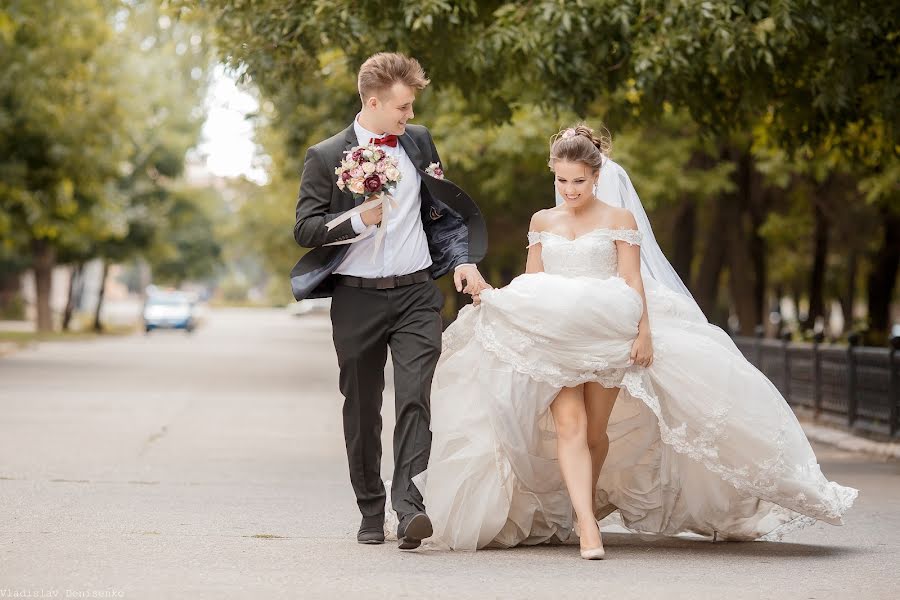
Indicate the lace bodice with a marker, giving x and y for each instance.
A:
(592, 254)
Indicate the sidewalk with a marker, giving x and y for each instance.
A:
(848, 442)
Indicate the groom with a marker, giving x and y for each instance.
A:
(384, 296)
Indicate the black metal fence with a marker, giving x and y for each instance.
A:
(854, 386)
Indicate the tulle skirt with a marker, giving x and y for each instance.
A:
(700, 441)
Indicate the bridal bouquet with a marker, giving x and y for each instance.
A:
(370, 175)
(367, 170)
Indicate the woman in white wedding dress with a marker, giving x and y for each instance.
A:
(593, 384)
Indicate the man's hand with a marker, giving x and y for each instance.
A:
(468, 280)
(373, 215)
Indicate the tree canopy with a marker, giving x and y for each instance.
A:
(99, 102)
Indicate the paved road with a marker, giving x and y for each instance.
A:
(212, 466)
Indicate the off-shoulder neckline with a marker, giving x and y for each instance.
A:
(585, 234)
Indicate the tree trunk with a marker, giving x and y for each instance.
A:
(817, 277)
(741, 280)
(797, 298)
(10, 294)
(98, 325)
(75, 285)
(745, 247)
(758, 253)
(882, 280)
(44, 258)
(706, 285)
(758, 256)
(850, 290)
(683, 239)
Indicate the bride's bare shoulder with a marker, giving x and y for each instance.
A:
(623, 218)
(541, 220)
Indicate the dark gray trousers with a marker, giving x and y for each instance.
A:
(365, 322)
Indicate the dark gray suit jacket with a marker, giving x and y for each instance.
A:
(453, 224)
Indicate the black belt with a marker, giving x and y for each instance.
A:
(384, 283)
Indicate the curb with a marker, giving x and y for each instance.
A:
(849, 442)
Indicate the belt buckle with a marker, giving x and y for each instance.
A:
(385, 283)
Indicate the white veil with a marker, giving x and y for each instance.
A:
(614, 188)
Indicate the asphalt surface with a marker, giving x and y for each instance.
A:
(212, 465)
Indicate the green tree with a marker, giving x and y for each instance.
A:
(817, 65)
(165, 67)
(189, 250)
(60, 132)
(812, 73)
(99, 102)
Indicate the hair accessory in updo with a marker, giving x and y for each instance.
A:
(580, 144)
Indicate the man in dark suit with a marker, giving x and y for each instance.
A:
(384, 296)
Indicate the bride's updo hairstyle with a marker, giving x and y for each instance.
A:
(580, 144)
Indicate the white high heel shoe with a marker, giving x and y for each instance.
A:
(591, 553)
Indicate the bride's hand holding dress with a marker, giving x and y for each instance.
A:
(629, 259)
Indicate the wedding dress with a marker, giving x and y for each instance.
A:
(700, 442)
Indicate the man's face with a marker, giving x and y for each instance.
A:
(393, 108)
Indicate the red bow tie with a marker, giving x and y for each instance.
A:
(388, 140)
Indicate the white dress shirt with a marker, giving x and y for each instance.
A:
(405, 246)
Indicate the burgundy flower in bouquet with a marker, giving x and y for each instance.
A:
(366, 171)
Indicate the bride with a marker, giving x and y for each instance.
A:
(594, 384)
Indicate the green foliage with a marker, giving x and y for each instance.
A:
(684, 85)
(189, 250)
(165, 67)
(817, 66)
(61, 124)
(99, 102)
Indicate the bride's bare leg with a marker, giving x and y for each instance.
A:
(598, 403)
(570, 419)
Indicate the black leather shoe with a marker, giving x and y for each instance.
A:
(413, 529)
(371, 530)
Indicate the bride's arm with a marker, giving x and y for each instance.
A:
(630, 271)
(534, 264)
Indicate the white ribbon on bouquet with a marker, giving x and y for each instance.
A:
(383, 199)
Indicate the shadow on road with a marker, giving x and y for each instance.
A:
(629, 545)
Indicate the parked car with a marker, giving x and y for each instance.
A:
(170, 310)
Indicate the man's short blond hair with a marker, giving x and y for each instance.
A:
(381, 71)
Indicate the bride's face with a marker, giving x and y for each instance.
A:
(574, 182)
